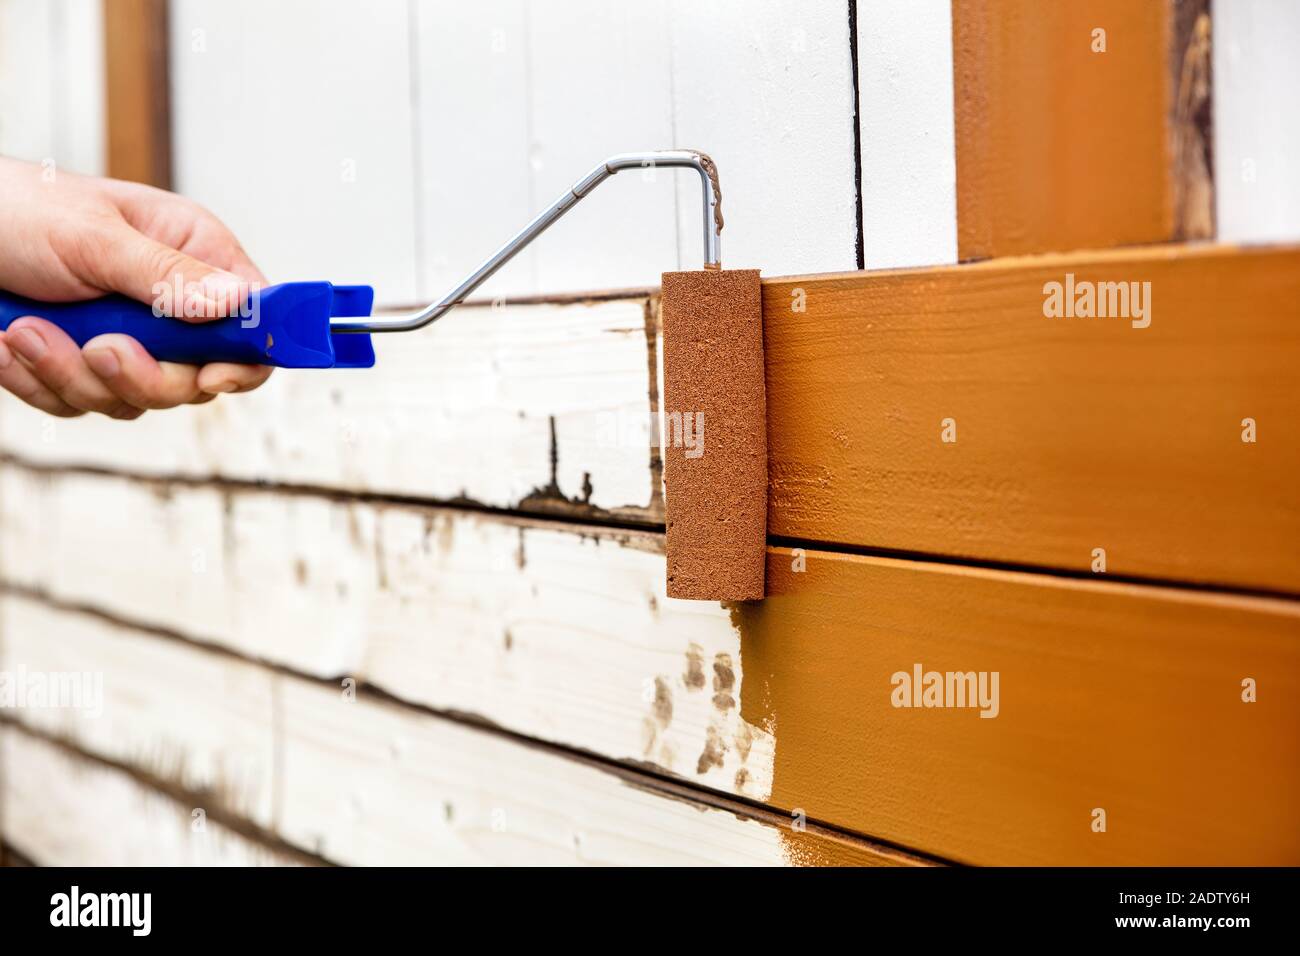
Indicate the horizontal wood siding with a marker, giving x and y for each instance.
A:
(356, 778)
(1071, 434)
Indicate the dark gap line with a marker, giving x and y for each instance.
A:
(637, 774)
(12, 857)
(860, 247)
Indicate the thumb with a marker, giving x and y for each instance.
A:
(174, 283)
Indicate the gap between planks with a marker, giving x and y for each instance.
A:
(641, 776)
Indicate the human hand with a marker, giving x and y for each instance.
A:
(79, 237)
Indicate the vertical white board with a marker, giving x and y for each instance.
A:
(599, 85)
(517, 102)
(471, 122)
(905, 104)
(52, 83)
(292, 122)
(80, 131)
(766, 88)
(1256, 120)
(27, 88)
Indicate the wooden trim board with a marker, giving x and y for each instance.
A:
(1122, 698)
(1063, 146)
(1071, 434)
(138, 91)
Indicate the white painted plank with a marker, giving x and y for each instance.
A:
(372, 784)
(461, 410)
(559, 632)
(80, 133)
(62, 810)
(1256, 123)
(364, 781)
(52, 83)
(518, 101)
(200, 720)
(905, 103)
(766, 88)
(292, 122)
(28, 102)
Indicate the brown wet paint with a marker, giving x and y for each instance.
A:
(715, 750)
(1072, 433)
(663, 703)
(1111, 695)
(1059, 147)
(693, 678)
(724, 682)
(821, 849)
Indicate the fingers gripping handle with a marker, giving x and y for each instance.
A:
(286, 325)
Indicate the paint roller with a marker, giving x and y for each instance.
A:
(714, 435)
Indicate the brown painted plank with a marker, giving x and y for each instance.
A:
(138, 110)
(1126, 698)
(1072, 433)
(1062, 147)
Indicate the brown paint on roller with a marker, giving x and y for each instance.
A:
(1123, 697)
(715, 466)
(1060, 147)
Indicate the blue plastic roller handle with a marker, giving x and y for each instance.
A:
(289, 326)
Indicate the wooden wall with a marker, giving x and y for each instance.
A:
(417, 615)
